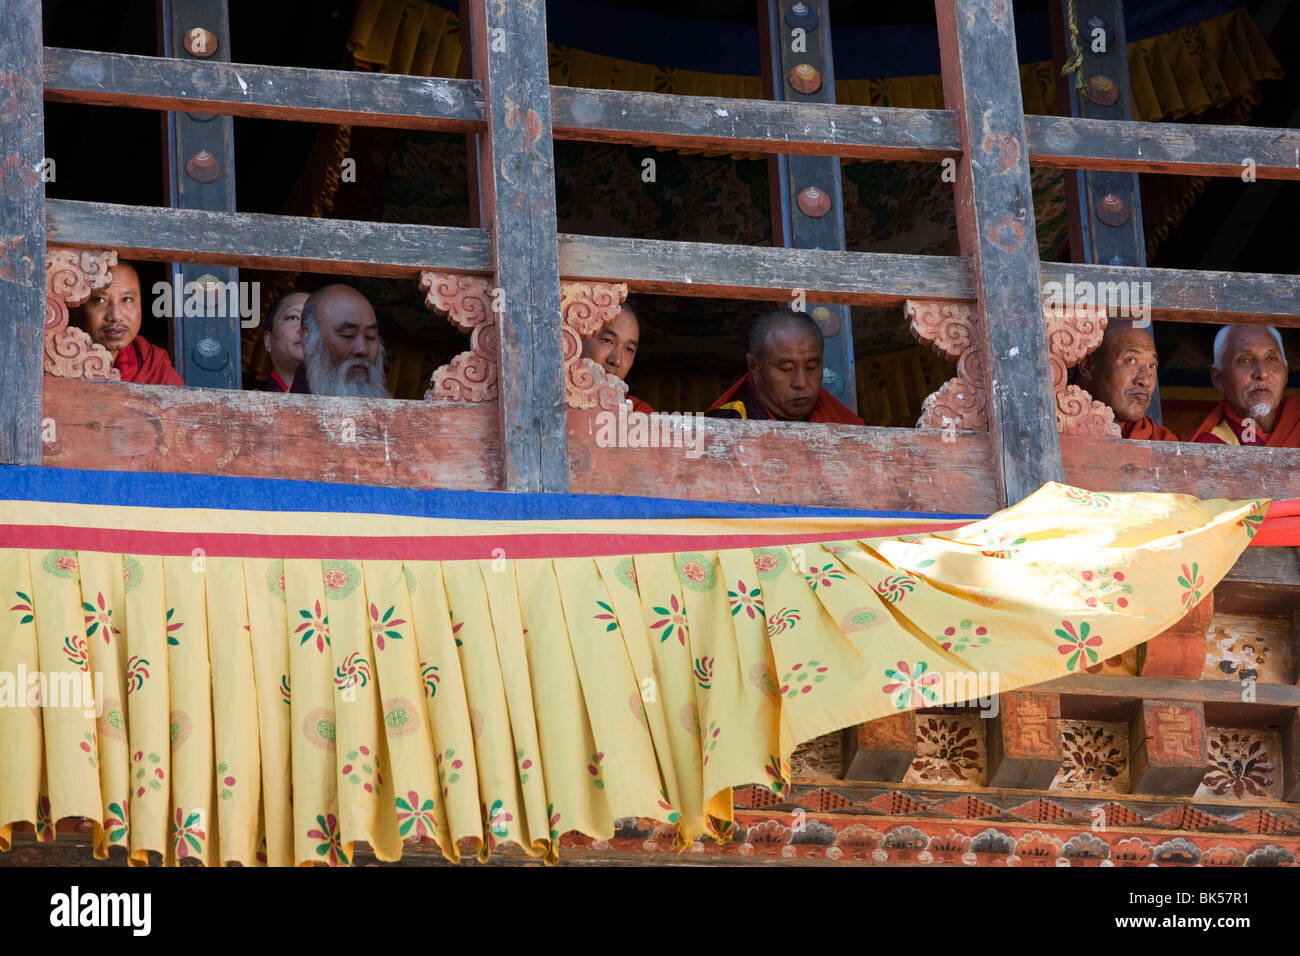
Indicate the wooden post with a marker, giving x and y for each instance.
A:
(1166, 742)
(517, 183)
(1179, 650)
(879, 749)
(200, 169)
(802, 43)
(22, 226)
(1109, 233)
(995, 226)
(1291, 758)
(1024, 740)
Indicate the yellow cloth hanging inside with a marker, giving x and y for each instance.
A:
(277, 710)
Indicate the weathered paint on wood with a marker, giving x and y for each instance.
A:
(842, 466)
(1207, 471)
(1178, 651)
(1109, 697)
(517, 180)
(267, 92)
(995, 225)
(22, 251)
(879, 749)
(101, 425)
(1024, 740)
(1166, 741)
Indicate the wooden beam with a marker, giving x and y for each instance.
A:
(1199, 691)
(995, 225)
(101, 425)
(879, 749)
(1207, 471)
(1166, 743)
(22, 253)
(267, 92)
(1179, 651)
(292, 243)
(842, 466)
(517, 178)
(1024, 740)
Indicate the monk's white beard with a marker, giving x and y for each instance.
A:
(1261, 410)
(326, 378)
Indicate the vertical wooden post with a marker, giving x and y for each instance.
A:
(517, 179)
(1179, 650)
(1166, 742)
(200, 167)
(22, 233)
(995, 226)
(785, 48)
(1024, 740)
(1113, 235)
(1291, 757)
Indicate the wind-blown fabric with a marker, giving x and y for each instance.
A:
(280, 683)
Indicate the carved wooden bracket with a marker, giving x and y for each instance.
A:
(470, 376)
(70, 276)
(951, 330)
(586, 308)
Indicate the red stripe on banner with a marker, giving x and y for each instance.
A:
(415, 547)
(1281, 524)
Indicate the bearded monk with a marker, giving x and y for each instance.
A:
(1122, 374)
(614, 347)
(784, 382)
(111, 317)
(1250, 370)
(342, 351)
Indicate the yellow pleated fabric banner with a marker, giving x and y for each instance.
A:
(279, 710)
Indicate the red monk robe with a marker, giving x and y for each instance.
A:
(1223, 426)
(639, 406)
(742, 401)
(146, 364)
(1145, 429)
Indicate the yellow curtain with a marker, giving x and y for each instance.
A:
(277, 710)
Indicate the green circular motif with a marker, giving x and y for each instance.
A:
(61, 564)
(625, 571)
(341, 578)
(400, 717)
(114, 719)
(397, 717)
(132, 573)
(275, 578)
(770, 563)
(696, 571)
(325, 730)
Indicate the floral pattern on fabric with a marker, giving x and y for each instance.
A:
(696, 571)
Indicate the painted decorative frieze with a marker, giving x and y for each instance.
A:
(466, 302)
(586, 308)
(70, 277)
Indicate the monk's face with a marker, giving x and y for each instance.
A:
(349, 332)
(1124, 373)
(614, 347)
(112, 315)
(284, 341)
(1253, 374)
(788, 374)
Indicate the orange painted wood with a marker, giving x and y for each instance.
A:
(1179, 651)
(1291, 758)
(1024, 740)
(792, 463)
(879, 749)
(104, 425)
(1166, 742)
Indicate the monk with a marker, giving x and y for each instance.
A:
(111, 317)
(1250, 370)
(784, 382)
(283, 339)
(342, 352)
(1122, 374)
(614, 349)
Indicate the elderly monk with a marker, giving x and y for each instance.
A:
(1122, 374)
(784, 382)
(342, 353)
(614, 349)
(111, 316)
(283, 339)
(1250, 370)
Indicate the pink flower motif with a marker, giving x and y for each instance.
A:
(694, 571)
(66, 564)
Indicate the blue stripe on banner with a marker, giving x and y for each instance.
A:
(160, 490)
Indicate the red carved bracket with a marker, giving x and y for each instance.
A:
(70, 276)
(586, 308)
(952, 330)
(471, 376)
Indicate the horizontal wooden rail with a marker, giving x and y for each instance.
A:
(653, 119)
(269, 92)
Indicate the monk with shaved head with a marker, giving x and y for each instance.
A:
(342, 352)
(1122, 374)
(111, 317)
(614, 349)
(784, 382)
(1250, 370)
